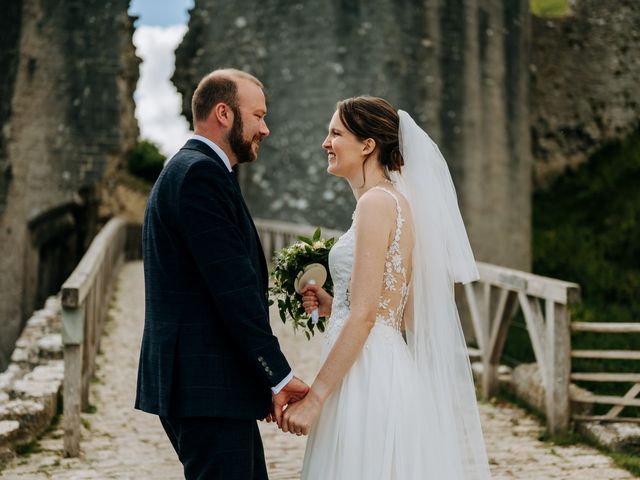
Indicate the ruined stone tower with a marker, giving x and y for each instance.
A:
(459, 67)
(585, 88)
(67, 75)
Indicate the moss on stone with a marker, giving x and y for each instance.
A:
(549, 8)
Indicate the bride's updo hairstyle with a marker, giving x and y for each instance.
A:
(375, 118)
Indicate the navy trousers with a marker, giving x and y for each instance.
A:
(217, 448)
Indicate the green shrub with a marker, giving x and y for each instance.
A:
(145, 161)
(586, 229)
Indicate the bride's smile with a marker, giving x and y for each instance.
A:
(345, 151)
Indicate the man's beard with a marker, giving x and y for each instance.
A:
(241, 147)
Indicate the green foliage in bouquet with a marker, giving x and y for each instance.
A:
(287, 264)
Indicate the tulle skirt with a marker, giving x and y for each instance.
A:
(380, 422)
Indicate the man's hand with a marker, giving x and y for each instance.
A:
(292, 392)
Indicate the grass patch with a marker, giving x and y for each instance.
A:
(549, 8)
(29, 448)
(563, 439)
(627, 461)
(85, 423)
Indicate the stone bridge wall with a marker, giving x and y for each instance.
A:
(30, 387)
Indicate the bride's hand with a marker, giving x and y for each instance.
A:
(300, 416)
(314, 296)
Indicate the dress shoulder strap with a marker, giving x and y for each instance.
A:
(399, 218)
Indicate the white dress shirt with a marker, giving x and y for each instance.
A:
(215, 148)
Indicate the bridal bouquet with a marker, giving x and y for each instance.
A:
(289, 266)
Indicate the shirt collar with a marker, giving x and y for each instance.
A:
(215, 148)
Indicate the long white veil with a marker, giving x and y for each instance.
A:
(442, 256)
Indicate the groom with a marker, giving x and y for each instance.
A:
(210, 364)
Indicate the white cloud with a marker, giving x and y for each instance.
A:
(158, 103)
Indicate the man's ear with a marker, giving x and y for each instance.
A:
(222, 114)
(368, 146)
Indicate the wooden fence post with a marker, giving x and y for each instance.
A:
(558, 345)
(73, 337)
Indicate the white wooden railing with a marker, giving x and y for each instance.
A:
(85, 299)
(617, 402)
(491, 302)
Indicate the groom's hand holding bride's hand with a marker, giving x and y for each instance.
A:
(292, 392)
(300, 416)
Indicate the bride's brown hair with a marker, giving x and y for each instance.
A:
(375, 118)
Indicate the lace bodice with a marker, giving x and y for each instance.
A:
(395, 288)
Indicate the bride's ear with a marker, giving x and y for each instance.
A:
(368, 146)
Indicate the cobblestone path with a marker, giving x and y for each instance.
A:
(120, 442)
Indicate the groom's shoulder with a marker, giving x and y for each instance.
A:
(187, 159)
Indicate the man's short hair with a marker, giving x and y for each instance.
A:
(218, 86)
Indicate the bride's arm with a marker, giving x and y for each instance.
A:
(374, 221)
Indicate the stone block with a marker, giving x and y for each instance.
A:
(9, 376)
(50, 347)
(38, 322)
(504, 373)
(618, 436)
(32, 417)
(21, 357)
(42, 384)
(9, 430)
(53, 304)
(526, 383)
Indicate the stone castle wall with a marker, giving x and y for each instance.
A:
(68, 71)
(459, 67)
(585, 88)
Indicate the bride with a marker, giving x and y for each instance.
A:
(394, 398)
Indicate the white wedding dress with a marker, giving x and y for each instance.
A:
(380, 422)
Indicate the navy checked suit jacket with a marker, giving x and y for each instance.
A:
(207, 347)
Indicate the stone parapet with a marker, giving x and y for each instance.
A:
(30, 387)
(526, 384)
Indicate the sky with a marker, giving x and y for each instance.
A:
(159, 29)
